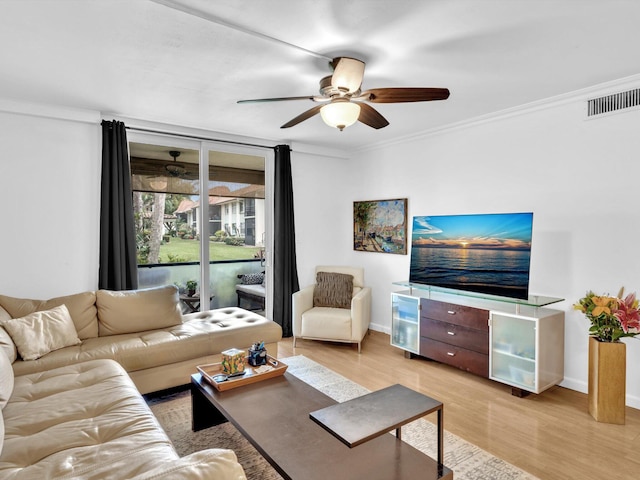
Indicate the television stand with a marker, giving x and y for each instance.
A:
(515, 342)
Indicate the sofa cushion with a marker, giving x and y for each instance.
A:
(83, 421)
(203, 465)
(201, 334)
(42, 332)
(256, 290)
(6, 388)
(327, 323)
(6, 380)
(1, 431)
(82, 307)
(333, 290)
(6, 344)
(131, 311)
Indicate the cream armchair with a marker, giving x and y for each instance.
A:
(337, 316)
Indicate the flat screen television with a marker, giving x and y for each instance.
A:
(483, 253)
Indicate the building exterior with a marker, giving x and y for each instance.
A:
(238, 214)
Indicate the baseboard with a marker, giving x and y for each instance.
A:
(570, 383)
(380, 328)
(583, 387)
(575, 384)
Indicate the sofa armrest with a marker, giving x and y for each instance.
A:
(213, 463)
(301, 301)
(360, 313)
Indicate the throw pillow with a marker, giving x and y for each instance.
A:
(42, 332)
(252, 278)
(82, 307)
(333, 290)
(131, 311)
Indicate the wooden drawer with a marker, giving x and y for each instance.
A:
(456, 335)
(456, 314)
(461, 358)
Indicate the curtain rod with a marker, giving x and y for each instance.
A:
(197, 137)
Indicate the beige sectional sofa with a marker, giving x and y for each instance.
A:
(88, 421)
(74, 408)
(145, 332)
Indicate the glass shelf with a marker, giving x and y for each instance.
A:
(513, 355)
(532, 301)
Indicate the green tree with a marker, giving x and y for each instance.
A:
(362, 213)
(156, 225)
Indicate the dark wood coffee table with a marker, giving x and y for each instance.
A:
(359, 420)
(274, 416)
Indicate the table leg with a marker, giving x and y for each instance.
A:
(398, 433)
(441, 435)
(204, 414)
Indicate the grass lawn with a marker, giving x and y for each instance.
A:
(189, 251)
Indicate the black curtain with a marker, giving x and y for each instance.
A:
(118, 266)
(285, 270)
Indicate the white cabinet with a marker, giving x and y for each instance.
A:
(527, 348)
(405, 322)
(523, 345)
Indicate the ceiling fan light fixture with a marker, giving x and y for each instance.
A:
(159, 183)
(347, 75)
(340, 113)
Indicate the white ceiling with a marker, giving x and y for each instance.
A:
(145, 60)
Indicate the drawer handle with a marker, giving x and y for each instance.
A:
(451, 333)
(451, 312)
(451, 354)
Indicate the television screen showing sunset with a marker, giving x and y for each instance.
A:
(485, 253)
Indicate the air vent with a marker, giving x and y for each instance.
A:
(614, 102)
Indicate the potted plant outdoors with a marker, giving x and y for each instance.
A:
(191, 286)
(612, 318)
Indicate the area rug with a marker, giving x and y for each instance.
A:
(467, 461)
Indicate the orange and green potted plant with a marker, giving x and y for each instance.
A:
(611, 317)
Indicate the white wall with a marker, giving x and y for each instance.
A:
(49, 192)
(579, 177)
(323, 210)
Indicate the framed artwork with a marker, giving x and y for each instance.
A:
(380, 226)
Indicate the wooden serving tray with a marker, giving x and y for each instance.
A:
(250, 374)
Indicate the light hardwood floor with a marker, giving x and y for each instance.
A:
(550, 435)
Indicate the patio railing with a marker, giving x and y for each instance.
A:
(223, 277)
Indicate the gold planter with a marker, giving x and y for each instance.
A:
(607, 380)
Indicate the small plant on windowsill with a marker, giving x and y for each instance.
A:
(191, 285)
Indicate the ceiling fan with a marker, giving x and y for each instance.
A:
(175, 169)
(343, 101)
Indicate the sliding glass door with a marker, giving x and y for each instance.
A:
(203, 218)
(239, 221)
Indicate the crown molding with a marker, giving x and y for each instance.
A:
(20, 107)
(581, 95)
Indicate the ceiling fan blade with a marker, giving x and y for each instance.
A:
(400, 95)
(278, 99)
(370, 116)
(347, 74)
(303, 116)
